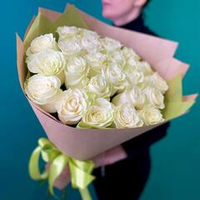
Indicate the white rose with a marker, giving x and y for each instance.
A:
(134, 75)
(133, 63)
(132, 68)
(159, 82)
(136, 97)
(154, 97)
(90, 41)
(129, 53)
(146, 68)
(118, 57)
(125, 116)
(99, 115)
(155, 81)
(42, 42)
(86, 32)
(66, 32)
(120, 99)
(96, 61)
(71, 47)
(114, 74)
(110, 44)
(90, 44)
(100, 87)
(47, 62)
(145, 83)
(76, 73)
(44, 91)
(151, 115)
(72, 106)
(133, 96)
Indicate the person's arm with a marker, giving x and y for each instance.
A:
(142, 142)
(132, 147)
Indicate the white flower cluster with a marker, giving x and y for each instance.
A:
(107, 85)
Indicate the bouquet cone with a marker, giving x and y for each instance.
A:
(84, 144)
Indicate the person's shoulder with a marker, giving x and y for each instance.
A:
(148, 31)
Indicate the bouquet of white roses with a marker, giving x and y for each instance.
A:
(106, 85)
(89, 74)
(91, 91)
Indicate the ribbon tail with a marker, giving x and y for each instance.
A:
(56, 168)
(80, 178)
(85, 194)
(34, 170)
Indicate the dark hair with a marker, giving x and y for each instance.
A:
(145, 5)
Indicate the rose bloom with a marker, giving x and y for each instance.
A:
(100, 87)
(125, 116)
(42, 42)
(76, 73)
(151, 115)
(44, 91)
(99, 115)
(72, 106)
(47, 62)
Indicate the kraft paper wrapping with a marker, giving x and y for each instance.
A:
(86, 143)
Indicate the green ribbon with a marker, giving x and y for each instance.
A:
(80, 170)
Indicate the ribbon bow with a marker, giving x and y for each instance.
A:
(80, 170)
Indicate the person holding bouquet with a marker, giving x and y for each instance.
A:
(122, 172)
(94, 80)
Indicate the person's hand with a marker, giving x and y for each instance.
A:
(109, 157)
(63, 179)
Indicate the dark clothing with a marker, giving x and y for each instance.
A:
(123, 180)
(139, 26)
(126, 179)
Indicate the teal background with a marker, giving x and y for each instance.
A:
(175, 159)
